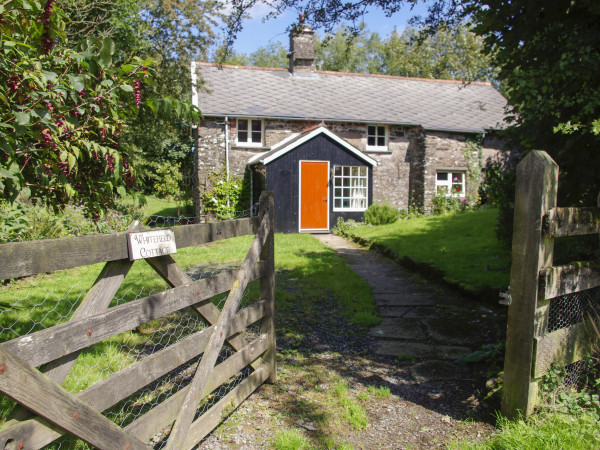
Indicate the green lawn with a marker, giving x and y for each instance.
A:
(462, 246)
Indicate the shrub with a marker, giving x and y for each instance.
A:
(499, 191)
(343, 226)
(381, 214)
(227, 196)
(442, 204)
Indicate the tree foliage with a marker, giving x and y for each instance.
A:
(66, 110)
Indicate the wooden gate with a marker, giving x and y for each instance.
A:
(46, 410)
(540, 290)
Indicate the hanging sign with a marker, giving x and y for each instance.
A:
(149, 244)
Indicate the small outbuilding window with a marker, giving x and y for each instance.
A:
(350, 188)
(250, 132)
(450, 184)
(376, 138)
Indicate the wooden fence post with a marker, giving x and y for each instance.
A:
(267, 284)
(537, 181)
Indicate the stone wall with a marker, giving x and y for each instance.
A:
(405, 175)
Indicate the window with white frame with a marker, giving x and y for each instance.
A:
(376, 137)
(350, 188)
(249, 132)
(451, 184)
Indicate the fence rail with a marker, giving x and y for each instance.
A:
(201, 361)
(546, 323)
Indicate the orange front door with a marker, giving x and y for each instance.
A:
(313, 195)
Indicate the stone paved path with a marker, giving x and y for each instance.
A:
(419, 319)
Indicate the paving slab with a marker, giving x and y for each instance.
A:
(395, 328)
(419, 320)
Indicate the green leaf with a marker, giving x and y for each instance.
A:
(22, 118)
(121, 191)
(72, 161)
(77, 82)
(6, 174)
(49, 76)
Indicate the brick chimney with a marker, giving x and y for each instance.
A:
(302, 49)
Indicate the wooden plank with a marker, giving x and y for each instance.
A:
(564, 346)
(216, 414)
(537, 180)
(562, 280)
(43, 396)
(38, 433)
(165, 413)
(46, 345)
(209, 358)
(560, 222)
(49, 255)
(96, 300)
(170, 271)
(267, 285)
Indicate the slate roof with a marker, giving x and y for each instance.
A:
(334, 96)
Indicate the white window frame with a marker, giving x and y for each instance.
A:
(248, 142)
(377, 135)
(348, 175)
(454, 179)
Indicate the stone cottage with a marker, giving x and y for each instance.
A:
(414, 137)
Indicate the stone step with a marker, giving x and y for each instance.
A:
(418, 350)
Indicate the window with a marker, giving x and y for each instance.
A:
(376, 137)
(451, 184)
(350, 188)
(249, 132)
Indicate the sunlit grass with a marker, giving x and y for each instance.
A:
(462, 246)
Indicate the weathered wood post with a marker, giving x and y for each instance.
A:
(267, 284)
(537, 181)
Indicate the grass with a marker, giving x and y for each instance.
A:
(463, 247)
(541, 432)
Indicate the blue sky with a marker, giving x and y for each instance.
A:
(258, 34)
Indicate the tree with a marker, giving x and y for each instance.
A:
(66, 111)
(451, 54)
(344, 51)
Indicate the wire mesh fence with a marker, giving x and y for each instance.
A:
(39, 302)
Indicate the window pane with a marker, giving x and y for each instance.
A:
(242, 124)
(242, 136)
(442, 176)
(256, 125)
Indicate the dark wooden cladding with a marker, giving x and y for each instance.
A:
(47, 345)
(282, 177)
(49, 255)
(560, 222)
(562, 280)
